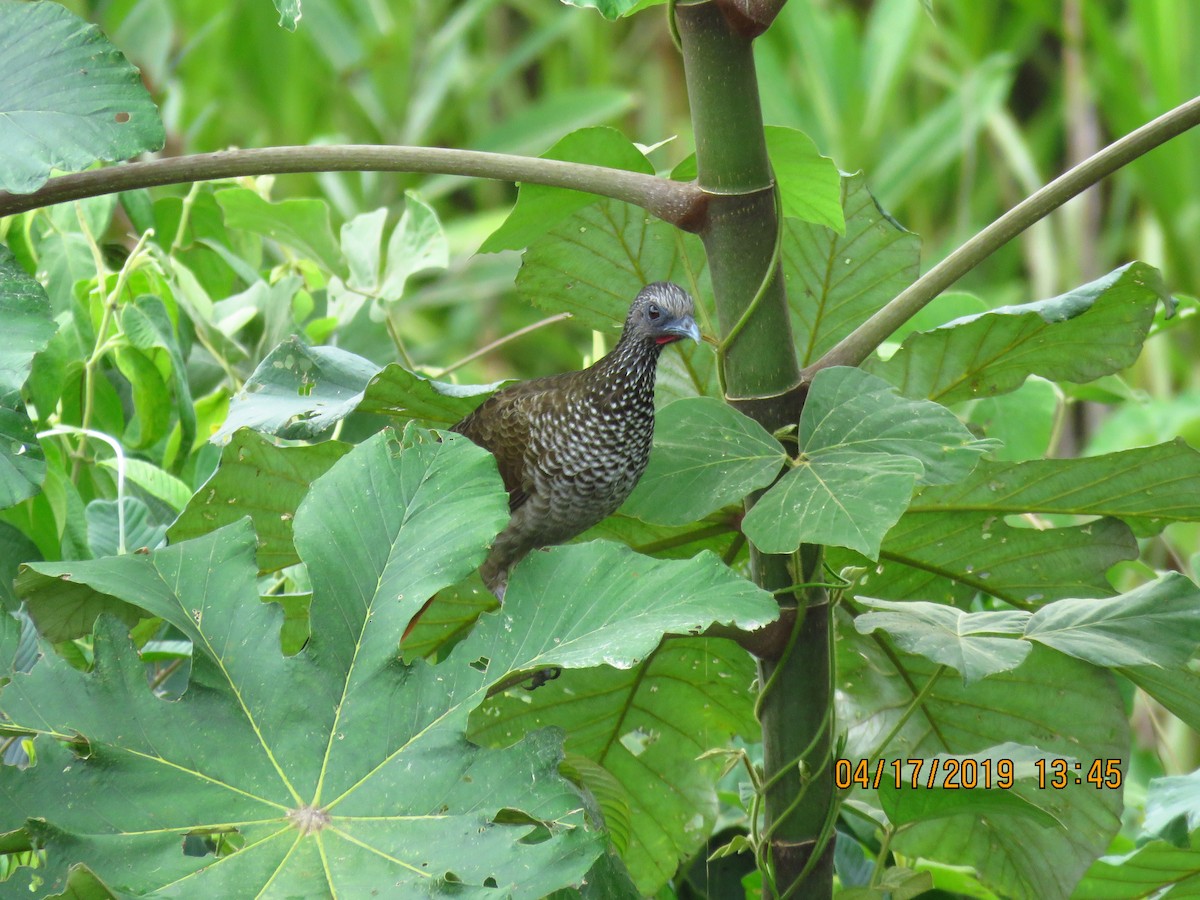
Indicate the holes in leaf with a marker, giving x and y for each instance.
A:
(638, 740)
(490, 882)
(121, 118)
(213, 842)
(80, 746)
(539, 833)
(481, 664)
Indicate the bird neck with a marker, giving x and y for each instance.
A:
(631, 364)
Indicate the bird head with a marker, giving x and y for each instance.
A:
(663, 312)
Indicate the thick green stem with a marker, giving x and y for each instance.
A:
(760, 377)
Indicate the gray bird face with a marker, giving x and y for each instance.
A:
(664, 312)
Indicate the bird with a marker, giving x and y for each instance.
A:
(571, 447)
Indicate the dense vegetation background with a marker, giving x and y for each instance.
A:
(953, 112)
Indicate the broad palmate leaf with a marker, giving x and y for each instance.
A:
(862, 449)
(258, 479)
(342, 770)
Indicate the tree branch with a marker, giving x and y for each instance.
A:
(680, 203)
(860, 343)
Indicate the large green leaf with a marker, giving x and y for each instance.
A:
(835, 282)
(1063, 707)
(25, 311)
(948, 556)
(955, 540)
(246, 749)
(255, 478)
(592, 264)
(300, 224)
(329, 763)
(939, 787)
(1158, 869)
(395, 391)
(706, 454)
(298, 391)
(1155, 624)
(975, 645)
(862, 449)
(539, 207)
(68, 108)
(648, 726)
(1091, 331)
(1148, 487)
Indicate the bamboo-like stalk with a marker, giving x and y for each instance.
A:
(760, 367)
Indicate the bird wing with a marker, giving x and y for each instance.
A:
(503, 424)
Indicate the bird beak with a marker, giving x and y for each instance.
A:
(684, 326)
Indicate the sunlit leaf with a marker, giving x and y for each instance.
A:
(289, 13)
(417, 243)
(300, 224)
(975, 645)
(298, 391)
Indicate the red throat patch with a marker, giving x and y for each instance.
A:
(666, 339)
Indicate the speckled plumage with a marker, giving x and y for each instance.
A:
(571, 447)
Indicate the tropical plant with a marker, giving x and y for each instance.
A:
(854, 629)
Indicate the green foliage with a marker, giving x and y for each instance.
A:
(218, 549)
(1105, 323)
(861, 450)
(65, 110)
(26, 309)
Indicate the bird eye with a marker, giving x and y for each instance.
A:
(653, 312)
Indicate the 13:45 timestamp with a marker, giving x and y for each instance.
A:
(1058, 773)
